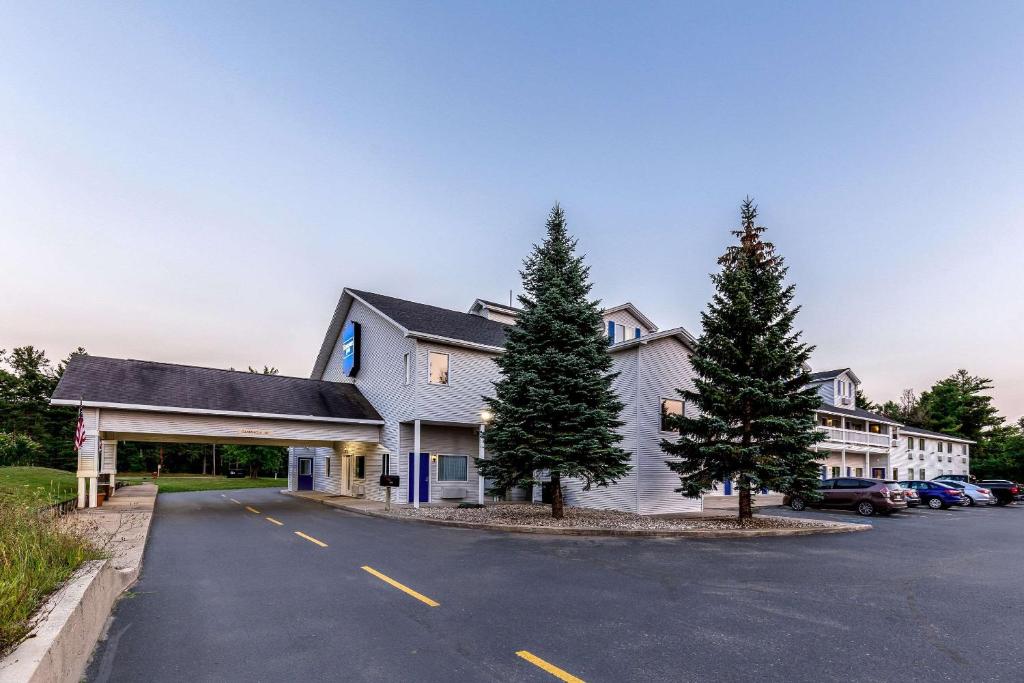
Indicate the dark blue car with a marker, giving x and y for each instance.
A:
(935, 494)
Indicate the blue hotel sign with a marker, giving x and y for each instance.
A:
(350, 344)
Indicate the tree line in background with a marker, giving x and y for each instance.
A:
(959, 406)
(33, 432)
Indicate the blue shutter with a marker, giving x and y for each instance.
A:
(636, 333)
(611, 332)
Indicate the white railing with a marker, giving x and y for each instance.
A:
(854, 437)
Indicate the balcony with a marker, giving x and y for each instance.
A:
(855, 439)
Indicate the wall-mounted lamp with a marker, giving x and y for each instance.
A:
(433, 457)
(486, 416)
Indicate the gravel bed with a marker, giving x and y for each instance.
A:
(518, 514)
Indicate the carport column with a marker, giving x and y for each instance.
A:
(842, 469)
(88, 459)
(81, 492)
(109, 466)
(414, 464)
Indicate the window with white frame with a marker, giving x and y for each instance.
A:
(408, 369)
(910, 443)
(670, 407)
(437, 367)
(453, 468)
(921, 473)
(920, 444)
(360, 467)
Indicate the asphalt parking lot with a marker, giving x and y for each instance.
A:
(228, 594)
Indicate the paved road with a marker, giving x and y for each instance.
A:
(226, 594)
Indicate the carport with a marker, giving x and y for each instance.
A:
(133, 400)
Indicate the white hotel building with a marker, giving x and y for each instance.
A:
(425, 370)
(397, 389)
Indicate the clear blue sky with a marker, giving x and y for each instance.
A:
(195, 182)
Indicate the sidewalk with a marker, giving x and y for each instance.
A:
(360, 505)
(120, 527)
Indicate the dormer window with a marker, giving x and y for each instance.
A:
(617, 332)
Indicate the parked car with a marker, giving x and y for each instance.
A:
(973, 494)
(966, 478)
(1004, 490)
(910, 495)
(866, 496)
(935, 494)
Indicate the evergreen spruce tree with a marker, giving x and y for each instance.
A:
(554, 409)
(755, 419)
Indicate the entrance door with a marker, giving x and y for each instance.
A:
(423, 472)
(878, 473)
(305, 474)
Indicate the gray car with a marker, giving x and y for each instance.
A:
(974, 494)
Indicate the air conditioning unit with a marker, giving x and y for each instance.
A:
(845, 400)
(358, 490)
(450, 492)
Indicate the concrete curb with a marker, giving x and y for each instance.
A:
(73, 618)
(823, 528)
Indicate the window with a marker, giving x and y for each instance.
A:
(670, 407)
(859, 472)
(963, 448)
(437, 370)
(920, 444)
(385, 463)
(835, 471)
(910, 443)
(408, 370)
(305, 466)
(921, 473)
(896, 473)
(964, 460)
(949, 458)
(360, 467)
(949, 447)
(453, 468)
(327, 466)
(875, 429)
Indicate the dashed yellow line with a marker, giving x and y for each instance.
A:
(274, 521)
(560, 674)
(311, 539)
(234, 501)
(252, 510)
(405, 589)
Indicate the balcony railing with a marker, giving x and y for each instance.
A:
(853, 437)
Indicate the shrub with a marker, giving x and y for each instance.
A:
(17, 449)
(37, 556)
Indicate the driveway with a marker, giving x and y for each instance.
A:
(228, 594)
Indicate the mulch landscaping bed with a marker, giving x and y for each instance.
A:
(513, 515)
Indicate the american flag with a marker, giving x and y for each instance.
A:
(80, 430)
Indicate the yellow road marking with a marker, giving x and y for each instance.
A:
(252, 510)
(404, 589)
(274, 521)
(311, 539)
(560, 674)
(234, 501)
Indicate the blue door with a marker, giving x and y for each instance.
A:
(423, 472)
(305, 474)
(728, 487)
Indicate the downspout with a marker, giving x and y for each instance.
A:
(636, 427)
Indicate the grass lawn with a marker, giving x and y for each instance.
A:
(177, 483)
(39, 486)
(36, 555)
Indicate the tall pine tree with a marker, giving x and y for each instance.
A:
(554, 408)
(756, 413)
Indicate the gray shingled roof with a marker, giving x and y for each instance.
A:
(927, 432)
(857, 412)
(96, 379)
(440, 322)
(827, 375)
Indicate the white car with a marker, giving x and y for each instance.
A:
(973, 494)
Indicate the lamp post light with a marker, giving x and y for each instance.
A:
(485, 417)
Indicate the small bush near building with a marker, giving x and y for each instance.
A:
(36, 557)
